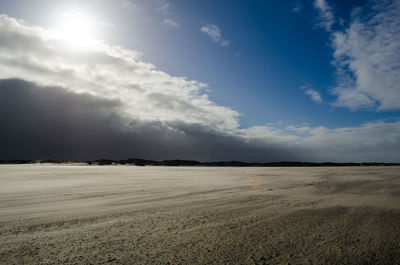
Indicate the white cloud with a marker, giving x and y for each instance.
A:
(36, 54)
(326, 17)
(164, 7)
(314, 95)
(367, 58)
(303, 129)
(171, 23)
(214, 32)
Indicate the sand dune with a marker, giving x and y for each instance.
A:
(75, 214)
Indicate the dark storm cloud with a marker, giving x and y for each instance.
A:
(51, 122)
(39, 122)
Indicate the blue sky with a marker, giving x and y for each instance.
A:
(276, 63)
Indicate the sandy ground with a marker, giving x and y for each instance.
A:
(74, 214)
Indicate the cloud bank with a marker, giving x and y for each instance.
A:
(104, 101)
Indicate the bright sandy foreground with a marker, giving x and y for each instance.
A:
(76, 214)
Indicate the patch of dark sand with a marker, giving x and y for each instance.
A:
(383, 186)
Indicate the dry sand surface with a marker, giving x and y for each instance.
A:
(76, 214)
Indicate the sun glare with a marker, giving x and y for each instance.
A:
(76, 30)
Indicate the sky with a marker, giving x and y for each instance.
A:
(302, 80)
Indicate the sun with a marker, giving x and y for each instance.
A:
(76, 29)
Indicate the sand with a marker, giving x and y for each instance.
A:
(76, 214)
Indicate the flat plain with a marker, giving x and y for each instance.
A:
(78, 214)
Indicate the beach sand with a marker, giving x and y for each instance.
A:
(77, 214)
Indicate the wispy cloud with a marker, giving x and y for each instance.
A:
(326, 16)
(314, 95)
(297, 7)
(171, 23)
(164, 7)
(214, 32)
(367, 59)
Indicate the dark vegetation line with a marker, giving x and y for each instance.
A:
(144, 162)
